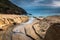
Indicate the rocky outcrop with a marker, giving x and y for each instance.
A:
(53, 32)
(8, 23)
(38, 29)
(7, 7)
(7, 20)
(35, 31)
(53, 19)
(17, 36)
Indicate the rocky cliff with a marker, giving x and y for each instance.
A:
(7, 7)
(7, 20)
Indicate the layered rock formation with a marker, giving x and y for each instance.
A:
(38, 29)
(6, 19)
(8, 22)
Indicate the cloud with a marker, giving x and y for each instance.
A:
(52, 3)
(56, 3)
(39, 5)
(27, 3)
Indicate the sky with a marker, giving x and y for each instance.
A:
(39, 7)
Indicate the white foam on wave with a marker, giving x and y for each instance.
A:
(30, 20)
(20, 28)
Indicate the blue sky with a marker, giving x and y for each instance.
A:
(39, 7)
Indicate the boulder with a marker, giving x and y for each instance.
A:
(53, 32)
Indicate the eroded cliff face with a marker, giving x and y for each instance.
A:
(7, 7)
(6, 20)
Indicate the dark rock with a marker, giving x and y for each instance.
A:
(53, 32)
(7, 7)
